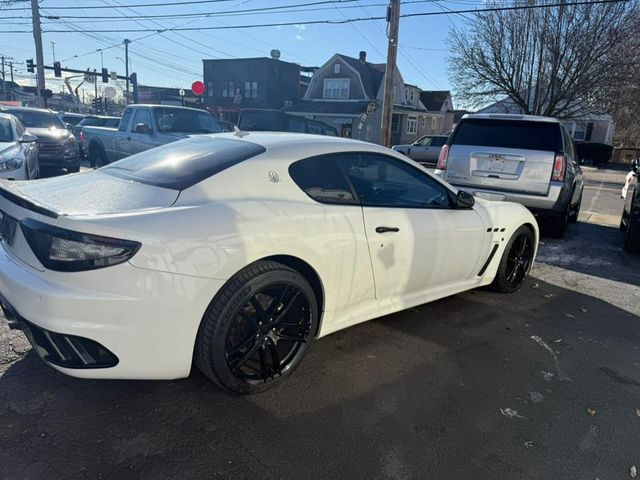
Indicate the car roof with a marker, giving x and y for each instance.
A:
(510, 116)
(8, 116)
(293, 141)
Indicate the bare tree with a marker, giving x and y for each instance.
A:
(560, 61)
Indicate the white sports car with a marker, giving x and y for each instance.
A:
(236, 250)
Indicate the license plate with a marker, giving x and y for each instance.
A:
(7, 227)
(496, 164)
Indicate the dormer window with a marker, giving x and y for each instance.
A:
(336, 68)
(336, 88)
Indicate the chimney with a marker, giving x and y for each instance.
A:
(363, 56)
(275, 54)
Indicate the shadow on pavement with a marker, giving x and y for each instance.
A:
(480, 385)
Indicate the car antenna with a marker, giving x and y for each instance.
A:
(239, 133)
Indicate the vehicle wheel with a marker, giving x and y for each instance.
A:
(632, 235)
(573, 217)
(555, 225)
(516, 262)
(97, 158)
(73, 169)
(257, 328)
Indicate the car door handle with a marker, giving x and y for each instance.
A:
(387, 229)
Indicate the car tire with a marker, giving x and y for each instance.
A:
(632, 235)
(97, 157)
(516, 261)
(243, 343)
(573, 217)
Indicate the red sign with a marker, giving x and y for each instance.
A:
(197, 88)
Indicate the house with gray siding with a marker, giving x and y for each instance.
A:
(347, 93)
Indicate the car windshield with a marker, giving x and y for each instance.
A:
(508, 134)
(182, 164)
(37, 119)
(95, 122)
(178, 120)
(6, 131)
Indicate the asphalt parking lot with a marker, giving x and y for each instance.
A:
(541, 384)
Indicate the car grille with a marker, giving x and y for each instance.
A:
(48, 148)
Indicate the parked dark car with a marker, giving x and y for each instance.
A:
(526, 159)
(630, 222)
(279, 121)
(57, 146)
(71, 119)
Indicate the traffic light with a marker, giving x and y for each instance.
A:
(97, 104)
(105, 75)
(57, 70)
(30, 65)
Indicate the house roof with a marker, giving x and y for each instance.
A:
(370, 73)
(433, 99)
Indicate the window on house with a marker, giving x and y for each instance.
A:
(580, 131)
(412, 96)
(434, 123)
(412, 125)
(227, 90)
(406, 94)
(210, 89)
(395, 123)
(336, 68)
(250, 90)
(336, 88)
(424, 121)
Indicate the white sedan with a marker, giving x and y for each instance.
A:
(236, 251)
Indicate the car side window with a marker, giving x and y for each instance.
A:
(142, 117)
(424, 142)
(124, 122)
(381, 181)
(321, 179)
(19, 129)
(437, 142)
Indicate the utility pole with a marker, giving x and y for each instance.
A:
(37, 37)
(392, 55)
(4, 82)
(53, 48)
(11, 67)
(126, 68)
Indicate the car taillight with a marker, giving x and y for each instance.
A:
(68, 251)
(559, 168)
(82, 137)
(442, 158)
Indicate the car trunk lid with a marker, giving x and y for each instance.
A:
(83, 194)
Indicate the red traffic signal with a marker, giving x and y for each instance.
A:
(197, 87)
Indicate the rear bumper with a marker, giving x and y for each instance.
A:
(551, 203)
(132, 323)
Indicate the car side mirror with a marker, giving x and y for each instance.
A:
(635, 165)
(142, 128)
(28, 138)
(464, 199)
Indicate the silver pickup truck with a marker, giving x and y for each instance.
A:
(143, 127)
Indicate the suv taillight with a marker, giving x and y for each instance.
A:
(559, 168)
(82, 137)
(442, 158)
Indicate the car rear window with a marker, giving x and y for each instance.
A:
(182, 164)
(508, 134)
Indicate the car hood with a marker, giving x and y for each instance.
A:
(51, 135)
(91, 193)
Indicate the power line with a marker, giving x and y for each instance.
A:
(169, 4)
(332, 22)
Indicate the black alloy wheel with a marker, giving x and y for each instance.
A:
(257, 328)
(519, 261)
(269, 333)
(516, 261)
